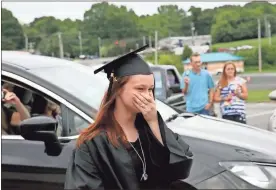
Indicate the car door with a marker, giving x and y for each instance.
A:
(25, 165)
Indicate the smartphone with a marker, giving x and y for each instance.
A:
(3, 95)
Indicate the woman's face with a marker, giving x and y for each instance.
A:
(230, 70)
(143, 84)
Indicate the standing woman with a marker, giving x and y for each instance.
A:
(129, 145)
(231, 92)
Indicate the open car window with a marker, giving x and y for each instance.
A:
(37, 104)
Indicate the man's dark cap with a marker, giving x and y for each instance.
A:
(127, 65)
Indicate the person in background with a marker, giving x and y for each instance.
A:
(231, 92)
(13, 112)
(43, 106)
(197, 85)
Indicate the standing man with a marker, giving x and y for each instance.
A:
(198, 87)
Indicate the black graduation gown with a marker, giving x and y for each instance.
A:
(97, 164)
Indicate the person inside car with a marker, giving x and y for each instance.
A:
(13, 112)
(42, 106)
(129, 145)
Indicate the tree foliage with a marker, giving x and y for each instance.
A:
(106, 24)
(12, 32)
(187, 52)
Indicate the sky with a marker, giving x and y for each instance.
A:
(26, 12)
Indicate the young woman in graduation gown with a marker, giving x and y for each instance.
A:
(129, 145)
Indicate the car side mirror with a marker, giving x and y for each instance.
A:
(42, 128)
(175, 88)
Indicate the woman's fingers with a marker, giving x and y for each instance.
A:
(5, 90)
(141, 99)
(138, 101)
(138, 106)
(10, 96)
(147, 98)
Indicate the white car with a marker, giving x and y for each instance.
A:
(272, 95)
(272, 122)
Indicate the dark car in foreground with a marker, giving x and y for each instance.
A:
(227, 155)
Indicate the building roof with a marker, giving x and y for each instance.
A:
(216, 57)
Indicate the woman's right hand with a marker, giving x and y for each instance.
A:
(228, 98)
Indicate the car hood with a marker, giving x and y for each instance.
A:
(227, 132)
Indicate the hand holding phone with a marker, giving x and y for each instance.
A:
(3, 95)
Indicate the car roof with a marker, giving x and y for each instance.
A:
(30, 61)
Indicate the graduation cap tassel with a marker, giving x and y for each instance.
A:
(110, 86)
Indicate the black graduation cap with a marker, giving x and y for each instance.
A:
(127, 65)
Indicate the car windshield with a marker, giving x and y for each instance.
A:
(158, 83)
(81, 82)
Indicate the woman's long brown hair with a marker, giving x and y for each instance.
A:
(105, 120)
(223, 82)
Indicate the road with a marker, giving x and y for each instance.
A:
(258, 114)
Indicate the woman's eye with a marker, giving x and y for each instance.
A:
(141, 89)
(150, 89)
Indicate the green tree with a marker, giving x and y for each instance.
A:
(12, 32)
(238, 23)
(187, 52)
(106, 20)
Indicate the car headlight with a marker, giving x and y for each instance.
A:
(257, 174)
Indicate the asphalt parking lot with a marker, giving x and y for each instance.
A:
(258, 114)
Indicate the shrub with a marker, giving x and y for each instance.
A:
(251, 56)
(187, 52)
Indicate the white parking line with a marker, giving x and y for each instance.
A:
(260, 114)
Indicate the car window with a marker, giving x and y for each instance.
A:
(158, 83)
(172, 77)
(30, 104)
(75, 123)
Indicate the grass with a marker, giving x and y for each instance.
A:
(251, 42)
(256, 96)
(255, 69)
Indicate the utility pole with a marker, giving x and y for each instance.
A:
(269, 32)
(266, 25)
(150, 44)
(144, 40)
(80, 39)
(192, 30)
(260, 45)
(60, 45)
(99, 45)
(26, 42)
(156, 47)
